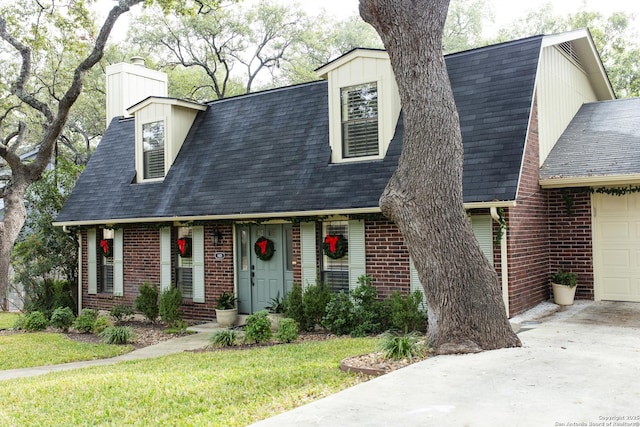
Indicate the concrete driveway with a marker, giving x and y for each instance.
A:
(578, 367)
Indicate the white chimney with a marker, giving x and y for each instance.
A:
(130, 83)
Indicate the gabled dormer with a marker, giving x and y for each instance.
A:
(364, 105)
(161, 126)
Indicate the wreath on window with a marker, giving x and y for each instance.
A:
(107, 247)
(264, 248)
(184, 247)
(334, 246)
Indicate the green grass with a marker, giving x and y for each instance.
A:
(219, 388)
(7, 320)
(26, 350)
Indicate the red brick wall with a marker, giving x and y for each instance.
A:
(570, 237)
(387, 257)
(528, 233)
(142, 264)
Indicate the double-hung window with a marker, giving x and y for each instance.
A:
(359, 115)
(106, 264)
(153, 140)
(335, 272)
(184, 273)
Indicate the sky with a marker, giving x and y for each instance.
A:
(504, 11)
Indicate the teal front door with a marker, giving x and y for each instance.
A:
(259, 281)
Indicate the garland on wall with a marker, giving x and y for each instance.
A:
(502, 225)
(334, 246)
(611, 191)
(264, 248)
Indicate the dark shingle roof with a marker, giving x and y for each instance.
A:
(603, 139)
(269, 152)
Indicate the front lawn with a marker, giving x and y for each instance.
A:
(25, 350)
(7, 320)
(217, 388)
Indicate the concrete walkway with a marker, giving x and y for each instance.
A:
(172, 346)
(578, 367)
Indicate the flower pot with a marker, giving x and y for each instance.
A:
(562, 294)
(226, 318)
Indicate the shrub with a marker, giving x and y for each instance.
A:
(226, 301)
(147, 302)
(401, 346)
(179, 328)
(368, 310)
(258, 327)
(287, 330)
(170, 302)
(34, 321)
(292, 304)
(121, 312)
(117, 335)
(62, 318)
(101, 323)
(224, 338)
(405, 312)
(84, 323)
(340, 319)
(314, 301)
(46, 295)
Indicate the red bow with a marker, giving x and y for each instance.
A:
(182, 243)
(263, 246)
(105, 246)
(332, 241)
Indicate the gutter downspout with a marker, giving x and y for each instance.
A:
(503, 260)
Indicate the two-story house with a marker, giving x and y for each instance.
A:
(254, 193)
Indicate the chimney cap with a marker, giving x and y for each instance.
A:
(137, 60)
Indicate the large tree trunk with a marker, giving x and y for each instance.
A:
(424, 196)
(14, 217)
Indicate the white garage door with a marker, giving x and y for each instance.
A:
(617, 247)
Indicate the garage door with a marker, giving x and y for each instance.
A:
(617, 247)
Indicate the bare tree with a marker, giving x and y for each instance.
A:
(424, 195)
(53, 121)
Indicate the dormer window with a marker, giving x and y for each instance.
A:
(359, 106)
(153, 140)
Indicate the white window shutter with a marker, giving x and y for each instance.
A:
(198, 264)
(92, 263)
(308, 254)
(482, 228)
(118, 262)
(357, 255)
(165, 258)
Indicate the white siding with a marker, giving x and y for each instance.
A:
(308, 254)
(357, 255)
(118, 263)
(165, 258)
(92, 264)
(562, 88)
(198, 264)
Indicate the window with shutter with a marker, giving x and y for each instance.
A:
(335, 272)
(106, 273)
(359, 106)
(153, 149)
(184, 271)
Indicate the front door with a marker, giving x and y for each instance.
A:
(261, 280)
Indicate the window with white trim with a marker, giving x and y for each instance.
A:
(359, 116)
(184, 270)
(105, 250)
(335, 272)
(153, 140)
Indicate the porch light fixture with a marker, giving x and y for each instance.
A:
(216, 236)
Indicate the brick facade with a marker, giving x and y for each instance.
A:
(387, 257)
(570, 236)
(528, 233)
